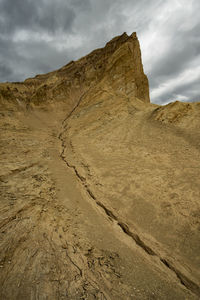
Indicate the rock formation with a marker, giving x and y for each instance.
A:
(99, 187)
(117, 65)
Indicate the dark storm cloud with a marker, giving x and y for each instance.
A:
(174, 64)
(42, 35)
(35, 15)
(33, 58)
(5, 71)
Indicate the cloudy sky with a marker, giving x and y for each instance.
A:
(37, 36)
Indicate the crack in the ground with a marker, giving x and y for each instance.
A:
(183, 279)
(75, 107)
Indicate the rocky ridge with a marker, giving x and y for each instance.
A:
(117, 65)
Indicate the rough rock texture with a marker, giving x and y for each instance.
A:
(117, 65)
(100, 188)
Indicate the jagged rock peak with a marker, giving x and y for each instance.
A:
(122, 38)
(117, 66)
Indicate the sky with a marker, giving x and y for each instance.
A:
(38, 36)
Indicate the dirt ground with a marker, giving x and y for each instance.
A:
(100, 203)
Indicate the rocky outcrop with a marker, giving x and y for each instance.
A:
(118, 66)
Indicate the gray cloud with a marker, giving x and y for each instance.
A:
(182, 48)
(186, 91)
(37, 15)
(5, 71)
(39, 36)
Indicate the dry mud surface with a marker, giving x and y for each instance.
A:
(100, 202)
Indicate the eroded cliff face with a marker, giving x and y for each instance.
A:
(118, 66)
(99, 187)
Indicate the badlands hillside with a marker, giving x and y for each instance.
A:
(99, 188)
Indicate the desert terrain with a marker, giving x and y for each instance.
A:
(99, 187)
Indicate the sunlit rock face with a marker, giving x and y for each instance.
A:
(118, 66)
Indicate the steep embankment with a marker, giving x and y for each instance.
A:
(99, 188)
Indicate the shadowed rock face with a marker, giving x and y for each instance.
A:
(99, 188)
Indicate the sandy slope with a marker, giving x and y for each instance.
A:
(71, 224)
(141, 163)
(99, 189)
